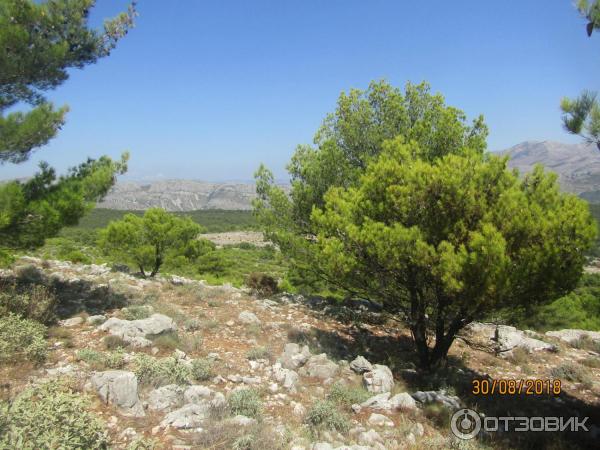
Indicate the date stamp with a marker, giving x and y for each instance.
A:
(514, 386)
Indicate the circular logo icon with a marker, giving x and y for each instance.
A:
(465, 424)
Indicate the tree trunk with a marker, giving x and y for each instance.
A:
(157, 261)
(142, 272)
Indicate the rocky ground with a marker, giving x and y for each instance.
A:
(292, 353)
(236, 237)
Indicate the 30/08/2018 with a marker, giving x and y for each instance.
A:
(511, 386)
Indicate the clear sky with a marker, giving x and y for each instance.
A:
(209, 89)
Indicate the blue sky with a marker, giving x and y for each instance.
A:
(208, 90)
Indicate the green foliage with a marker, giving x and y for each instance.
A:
(39, 42)
(167, 341)
(212, 220)
(259, 353)
(571, 371)
(591, 11)
(158, 372)
(136, 312)
(35, 302)
(579, 309)
(146, 241)
(347, 395)
(262, 284)
(102, 361)
(50, 416)
(581, 116)
(33, 210)
(324, 414)
(114, 342)
(418, 218)
(202, 369)
(245, 402)
(21, 339)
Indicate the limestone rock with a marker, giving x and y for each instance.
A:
(294, 356)
(360, 365)
(449, 401)
(166, 398)
(135, 331)
(572, 335)
(248, 318)
(320, 366)
(188, 416)
(380, 379)
(120, 388)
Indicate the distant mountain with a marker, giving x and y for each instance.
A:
(179, 195)
(578, 165)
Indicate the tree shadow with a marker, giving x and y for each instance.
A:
(397, 351)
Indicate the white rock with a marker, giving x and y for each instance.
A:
(135, 331)
(379, 420)
(72, 322)
(294, 356)
(370, 437)
(360, 365)
(197, 393)
(248, 318)
(188, 416)
(571, 335)
(320, 366)
(120, 388)
(403, 401)
(380, 379)
(165, 398)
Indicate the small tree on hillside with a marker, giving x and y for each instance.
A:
(399, 203)
(446, 242)
(146, 241)
(39, 42)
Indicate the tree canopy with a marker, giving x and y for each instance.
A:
(400, 203)
(39, 42)
(146, 241)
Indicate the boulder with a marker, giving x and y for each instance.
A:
(166, 398)
(450, 401)
(380, 379)
(197, 393)
(360, 365)
(385, 402)
(120, 388)
(287, 377)
(294, 356)
(402, 401)
(72, 322)
(571, 336)
(320, 366)
(248, 318)
(379, 401)
(135, 331)
(379, 420)
(506, 338)
(370, 437)
(188, 416)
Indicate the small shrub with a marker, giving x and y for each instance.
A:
(202, 369)
(246, 402)
(191, 343)
(143, 443)
(136, 312)
(520, 356)
(157, 372)
(572, 372)
(21, 339)
(586, 343)
(50, 416)
(244, 442)
(259, 353)
(166, 341)
(101, 361)
(592, 362)
(192, 324)
(29, 274)
(92, 357)
(262, 284)
(346, 395)
(37, 302)
(324, 414)
(113, 342)
(438, 414)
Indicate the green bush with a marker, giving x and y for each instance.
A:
(167, 341)
(573, 372)
(158, 372)
(259, 353)
(347, 395)
(324, 414)
(50, 416)
(102, 361)
(246, 402)
(136, 312)
(202, 369)
(262, 284)
(114, 342)
(36, 302)
(21, 339)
